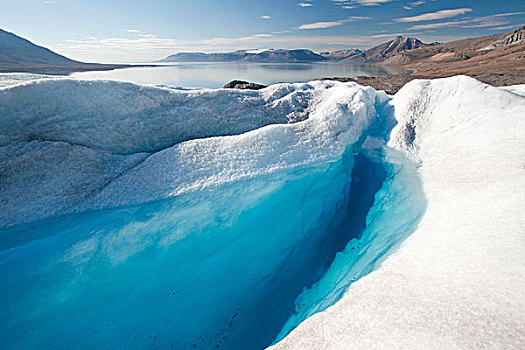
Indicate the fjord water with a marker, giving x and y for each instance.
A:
(227, 241)
(216, 75)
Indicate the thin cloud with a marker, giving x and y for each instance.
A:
(411, 5)
(438, 25)
(434, 15)
(323, 25)
(370, 2)
(266, 17)
(477, 22)
(508, 14)
(484, 22)
(351, 4)
(354, 18)
(319, 25)
(305, 4)
(391, 35)
(132, 30)
(513, 26)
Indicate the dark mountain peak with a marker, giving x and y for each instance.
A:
(393, 47)
(407, 42)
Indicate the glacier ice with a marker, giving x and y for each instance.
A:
(457, 281)
(140, 217)
(67, 140)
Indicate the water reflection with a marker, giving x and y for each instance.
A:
(215, 75)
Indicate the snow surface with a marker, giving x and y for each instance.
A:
(10, 79)
(146, 217)
(65, 140)
(517, 89)
(459, 280)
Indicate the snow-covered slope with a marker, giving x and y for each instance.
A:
(459, 280)
(517, 89)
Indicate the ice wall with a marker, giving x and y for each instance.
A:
(140, 217)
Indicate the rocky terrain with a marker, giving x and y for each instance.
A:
(243, 85)
(497, 59)
(20, 55)
(387, 50)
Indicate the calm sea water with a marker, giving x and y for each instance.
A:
(215, 75)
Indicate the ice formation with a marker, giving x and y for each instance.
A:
(145, 217)
(457, 281)
(65, 140)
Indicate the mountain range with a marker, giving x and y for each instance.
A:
(507, 47)
(263, 56)
(488, 53)
(374, 55)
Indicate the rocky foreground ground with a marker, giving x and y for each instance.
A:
(393, 83)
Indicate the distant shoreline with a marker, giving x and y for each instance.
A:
(390, 83)
(66, 69)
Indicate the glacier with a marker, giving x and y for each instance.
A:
(457, 281)
(151, 217)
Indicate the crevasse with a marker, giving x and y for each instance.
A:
(199, 240)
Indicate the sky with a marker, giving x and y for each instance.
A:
(141, 31)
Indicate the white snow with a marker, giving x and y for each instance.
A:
(459, 280)
(259, 50)
(10, 79)
(517, 89)
(73, 145)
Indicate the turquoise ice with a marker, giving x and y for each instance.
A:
(140, 217)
